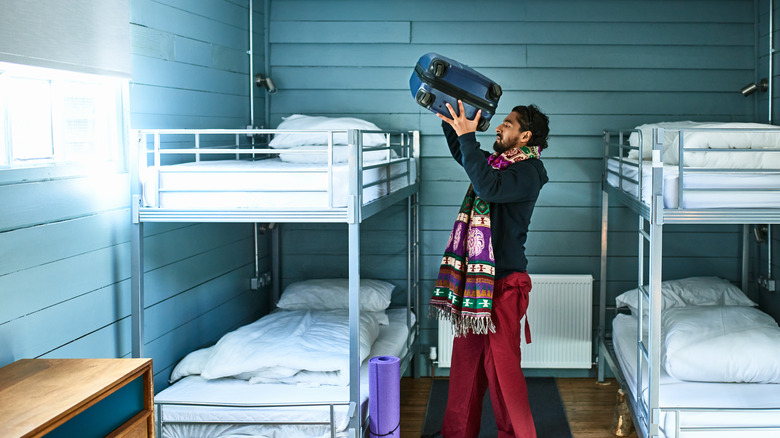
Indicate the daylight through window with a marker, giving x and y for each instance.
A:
(52, 117)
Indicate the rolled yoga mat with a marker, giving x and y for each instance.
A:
(384, 396)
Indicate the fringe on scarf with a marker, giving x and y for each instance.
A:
(462, 325)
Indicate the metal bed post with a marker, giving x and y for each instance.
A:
(137, 288)
(138, 147)
(603, 270)
(354, 324)
(603, 284)
(413, 301)
(276, 265)
(656, 246)
(413, 277)
(410, 263)
(745, 256)
(354, 140)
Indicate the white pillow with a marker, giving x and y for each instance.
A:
(721, 344)
(333, 293)
(302, 122)
(192, 364)
(692, 291)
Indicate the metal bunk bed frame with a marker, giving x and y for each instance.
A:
(652, 218)
(353, 214)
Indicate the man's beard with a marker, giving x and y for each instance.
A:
(500, 147)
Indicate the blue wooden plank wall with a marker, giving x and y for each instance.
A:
(589, 65)
(64, 246)
(191, 70)
(64, 243)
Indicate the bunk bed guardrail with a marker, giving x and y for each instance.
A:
(635, 176)
(342, 192)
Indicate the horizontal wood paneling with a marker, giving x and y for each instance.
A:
(64, 242)
(195, 103)
(340, 32)
(583, 56)
(587, 33)
(590, 66)
(313, 77)
(193, 72)
(193, 268)
(33, 246)
(570, 102)
(610, 11)
(189, 77)
(199, 24)
(64, 199)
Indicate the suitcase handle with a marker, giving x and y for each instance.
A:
(452, 90)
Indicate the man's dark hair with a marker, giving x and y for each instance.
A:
(534, 120)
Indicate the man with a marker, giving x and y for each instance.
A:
(483, 286)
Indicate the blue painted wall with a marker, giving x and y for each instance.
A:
(191, 70)
(64, 243)
(64, 246)
(589, 65)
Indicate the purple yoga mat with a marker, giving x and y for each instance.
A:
(384, 396)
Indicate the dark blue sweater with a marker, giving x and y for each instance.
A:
(511, 192)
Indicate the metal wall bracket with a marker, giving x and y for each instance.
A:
(135, 208)
(263, 280)
(767, 283)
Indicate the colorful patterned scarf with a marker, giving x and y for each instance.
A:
(464, 288)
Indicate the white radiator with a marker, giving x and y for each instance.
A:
(560, 313)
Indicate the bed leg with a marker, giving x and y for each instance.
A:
(622, 425)
(603, 285)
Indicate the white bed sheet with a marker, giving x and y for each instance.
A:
(679, 394)
(390, 342)
(272, 183)
(691, 199)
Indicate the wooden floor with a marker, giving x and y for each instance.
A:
(589, 406)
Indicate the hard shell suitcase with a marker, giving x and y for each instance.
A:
(437, 80)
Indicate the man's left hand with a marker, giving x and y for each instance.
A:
(459, 122)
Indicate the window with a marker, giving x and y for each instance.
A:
(57, 118)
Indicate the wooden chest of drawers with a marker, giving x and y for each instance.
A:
(77, 397)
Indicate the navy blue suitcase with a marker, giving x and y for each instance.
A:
(437, 80)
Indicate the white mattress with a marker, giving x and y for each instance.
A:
(680, 394)
(391, 342)
(271, 184)
(749, 197)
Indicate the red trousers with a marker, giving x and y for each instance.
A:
(492, 360)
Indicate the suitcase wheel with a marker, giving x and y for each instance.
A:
(438, 68)
(494, 92)
(424, 98)
(483, 124)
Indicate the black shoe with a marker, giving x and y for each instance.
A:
(432, 435)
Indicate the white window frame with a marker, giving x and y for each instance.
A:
(112, 159)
